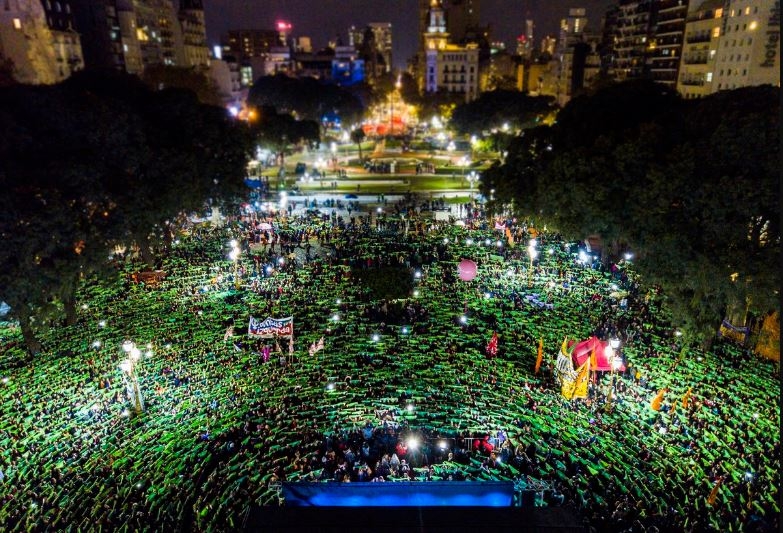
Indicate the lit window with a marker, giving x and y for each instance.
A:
(17, 24)
(716, 31)
(747, 10)
(753, 25)
(708, 77)
(719, 13)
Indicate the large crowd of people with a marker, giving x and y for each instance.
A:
(400, 388)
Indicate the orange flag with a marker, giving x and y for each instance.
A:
(658, 400)
(686, 398)
(540, 355)
(714, 493)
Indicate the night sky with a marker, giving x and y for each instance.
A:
(322, 20)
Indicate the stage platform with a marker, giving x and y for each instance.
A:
(414, 519)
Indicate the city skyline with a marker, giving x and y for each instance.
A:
(326, 20)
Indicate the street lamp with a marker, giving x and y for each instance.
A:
(533, 253)
(472, 178)
(234, 256)
(129, 367)
(397, 86)
(463, 162)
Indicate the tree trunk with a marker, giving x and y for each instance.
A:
(359, 144)
(69, 303)
(30, 340)
(168, 236)
(146, 253)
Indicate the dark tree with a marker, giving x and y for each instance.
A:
(691, 187)
(160, 77)
(492, 109)
(358, 136)
(96, 162)
(305, 98)
(278, 130)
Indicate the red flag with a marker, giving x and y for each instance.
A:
(492, 347)
(540, 355)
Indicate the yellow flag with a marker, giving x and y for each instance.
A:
(582, 381)
(577, 388)
(564, 347)
(567, 389)
(540, 355)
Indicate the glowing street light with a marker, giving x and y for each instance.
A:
(473, 177)
(533, 253)
(129, 367)
(233, 255)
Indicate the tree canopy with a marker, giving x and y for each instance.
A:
(278, 130)
(493, 109)
(306, 98)
(690, 187)
(97, 162)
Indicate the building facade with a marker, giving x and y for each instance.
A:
(749, 48)
(449, 68)
(703, 27)
(666, 40)
(39, 40)
(730, 44)
(194, 34)
(247, 43)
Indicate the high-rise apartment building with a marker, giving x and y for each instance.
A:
(668, 27)
(628, 34)
(244, 44)
(39, 39)
(194, 33)
(645, 39)
(703, 27)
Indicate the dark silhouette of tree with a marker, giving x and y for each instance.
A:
(160, 77)
(492, 109)
(96, 162)
(7, 73)
(304, 98)
(279, 130)
(691, 187)
(358, 136)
